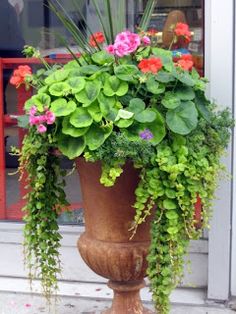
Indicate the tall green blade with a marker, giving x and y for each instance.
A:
(103, 21)
(108, 13)
(119, 19)
(69, 24)
(144, 23)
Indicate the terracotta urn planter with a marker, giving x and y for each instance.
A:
(105, 245)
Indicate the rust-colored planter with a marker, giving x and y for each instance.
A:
(105, 245)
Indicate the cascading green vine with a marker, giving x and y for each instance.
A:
(45, 199)
(172, 176)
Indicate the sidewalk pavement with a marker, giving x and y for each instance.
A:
(18, 303)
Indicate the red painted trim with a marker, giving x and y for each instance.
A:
(2, 150)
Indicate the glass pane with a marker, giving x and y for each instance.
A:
(169, 12)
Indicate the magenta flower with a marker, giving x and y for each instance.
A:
(33, 120)
(125, 44)
(41, 128)
(33, 110)
(146, 40)
(146, 135)
(50, 117)
(110, 49)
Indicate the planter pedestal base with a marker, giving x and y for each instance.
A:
(126, 298)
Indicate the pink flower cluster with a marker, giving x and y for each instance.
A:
(48, 117)
(126, 43)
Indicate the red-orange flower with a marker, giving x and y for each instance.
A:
(185, 62)
(20, 74)
(152, 65)
(182, 29)
(152, 32)
(96, 38)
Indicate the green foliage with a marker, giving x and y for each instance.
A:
(108, 110)
(45, 200)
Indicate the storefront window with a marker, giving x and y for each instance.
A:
(33, 23)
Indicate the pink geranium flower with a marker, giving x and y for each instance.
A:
(50, 117)
(41, 128)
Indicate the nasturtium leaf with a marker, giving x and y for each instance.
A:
(71, 147)
(164, 77)
(89, 69)
(95, 111)
(171, 214)
(201, 103)
(60, 107)
(69, 129)
(59, 89)
(89, 93)
(183, 119)
(57, 76)
(124, 114)
(102, 57)
(136, 105)
(169, 204)
(81, 118)
(170, 100)
(76, 84)
(97, 135)
(154, 87)
(185, 92)
(147, 115)
(40, 101)
(126, 72)
(124, 123)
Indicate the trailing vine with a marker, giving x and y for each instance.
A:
(172, 176)
(45, 199)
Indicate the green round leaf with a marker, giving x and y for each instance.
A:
(185, 93)
(102, 57)
(126, 72)
(71, 147)
(124, 114)
(60, 107)
(97, 135)
(154, 87)
(183, 119)
(76, 84)
(57, 76)
(170, 100)
(171, 214)
(81, 118)
(147, 115)
(69, 129)
(89, 93)
(164, 77)
(169, 204)
(136, 105)
(95, 111)
(124, 123)
(39, 100)
(59, 89)
(89, 69)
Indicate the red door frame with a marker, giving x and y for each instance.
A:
(14, 212)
